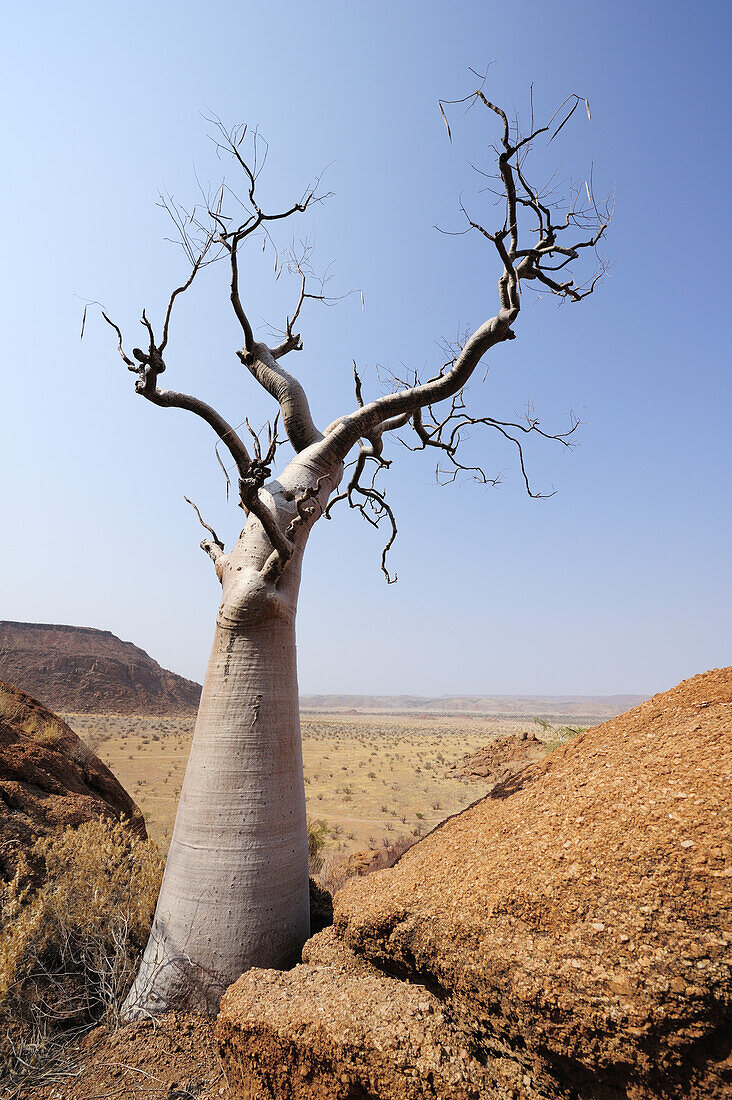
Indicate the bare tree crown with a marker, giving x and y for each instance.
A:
(540, 239)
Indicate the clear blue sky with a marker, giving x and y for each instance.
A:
(620, 582)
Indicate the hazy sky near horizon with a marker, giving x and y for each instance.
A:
(618, 583)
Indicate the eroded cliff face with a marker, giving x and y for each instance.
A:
(49, 779)
(80, 670)
(567, 936)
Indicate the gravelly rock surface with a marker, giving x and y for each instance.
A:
(571, 933)
(49, 779)
(338, 1027)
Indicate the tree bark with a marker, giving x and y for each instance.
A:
(235, 890)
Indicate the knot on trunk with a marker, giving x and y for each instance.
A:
(251, 599)
(250, 485)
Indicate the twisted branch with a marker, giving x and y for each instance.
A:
(260, 360)
(214, 547)
(533, 263)
(253, 473)
(537, 243)
(372, 504)
(447, 434)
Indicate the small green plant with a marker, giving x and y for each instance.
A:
(555, 736)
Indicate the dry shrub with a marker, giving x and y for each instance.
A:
(335, 871)
(69, 948)
(319, 833)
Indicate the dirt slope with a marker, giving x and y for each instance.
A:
(48, 779)
(85, 671)
(567, 936)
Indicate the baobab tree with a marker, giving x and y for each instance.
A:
(235, 891)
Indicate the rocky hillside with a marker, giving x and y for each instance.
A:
(566, 936)
(504, 757)
(85, 671)
(49, 779)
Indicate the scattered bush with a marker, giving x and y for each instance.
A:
(334, 873)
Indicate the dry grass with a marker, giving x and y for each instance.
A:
(69, 947)
(147, 755)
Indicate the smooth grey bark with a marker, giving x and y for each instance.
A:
(235, 890)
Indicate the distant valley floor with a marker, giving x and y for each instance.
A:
(371, 778)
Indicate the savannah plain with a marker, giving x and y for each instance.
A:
(371, 777)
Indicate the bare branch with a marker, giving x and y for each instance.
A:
(170, 399)
(225, 471)
(203, 523)
(357, 384)
(214, 547)
(451, 431)
(252, 473)
(536, 261)
(292, 341)
(249, 492)
(120, 349)
(230, 142)
(179, 290)
(372, 502)
(300, 265)
(260, 360)
(265, 460)
(287, 391)
(539, 238)
(149, 365)
(236, 300)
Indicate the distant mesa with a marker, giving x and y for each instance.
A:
(568, 708)
(80, 670)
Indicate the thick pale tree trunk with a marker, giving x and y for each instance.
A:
(235, 891)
